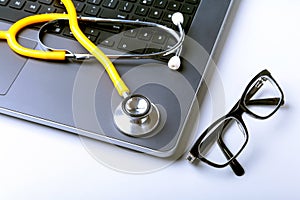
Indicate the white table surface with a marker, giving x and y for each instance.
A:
(37, 162)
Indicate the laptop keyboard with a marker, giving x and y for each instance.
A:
(158, 11)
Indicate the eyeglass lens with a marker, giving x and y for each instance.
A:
(223, 142)
(263, 97)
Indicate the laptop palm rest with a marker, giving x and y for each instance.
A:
(11, 64)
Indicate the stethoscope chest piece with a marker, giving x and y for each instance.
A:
(136, 116)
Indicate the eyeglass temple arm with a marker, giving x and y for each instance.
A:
(234, 164)
(267, 101)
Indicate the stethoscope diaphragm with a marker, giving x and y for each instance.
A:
(136, 116)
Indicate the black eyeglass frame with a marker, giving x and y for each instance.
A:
(236, 112)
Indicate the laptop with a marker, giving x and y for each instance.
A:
(78, 96)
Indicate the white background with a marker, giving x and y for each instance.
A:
(37, 162)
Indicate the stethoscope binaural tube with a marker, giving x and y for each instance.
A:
(174, 62)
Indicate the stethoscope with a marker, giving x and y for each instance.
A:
(135, 116)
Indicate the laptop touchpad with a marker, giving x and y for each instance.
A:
(11, 64)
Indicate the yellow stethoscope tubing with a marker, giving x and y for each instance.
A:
(94, 50)
(11, 37)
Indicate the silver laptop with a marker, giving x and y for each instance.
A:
(78, 96)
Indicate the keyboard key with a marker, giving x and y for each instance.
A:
(47, 9)
(108, 43)
(32, 7)
(187, 9)
(48, 2)
(125, 6)
(106, 39)
(110, 4)
(170, 43)
(67, 32)
(56, 27)
(92, 31)
(174, 6)
(113, 15)
(59, 4)
(132, 45)
(155, 13)
(159, 38)
(116, 28)
(137, 18)
(4, 2)
(168, 17)
(152, 48)
(17, 4)
(146, 2)
(91, 38)
(145, 34)
(193, 1)
(92, 10)
(131, 33)
(170, 25)
(95, 2)
(142, 10)
(79, 6)
(61, 10)
(160, 3)
(113, 28)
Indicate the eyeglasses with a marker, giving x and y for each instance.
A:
(221, 143)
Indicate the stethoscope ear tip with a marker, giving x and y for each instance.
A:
(177, 18)
(174, 63)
